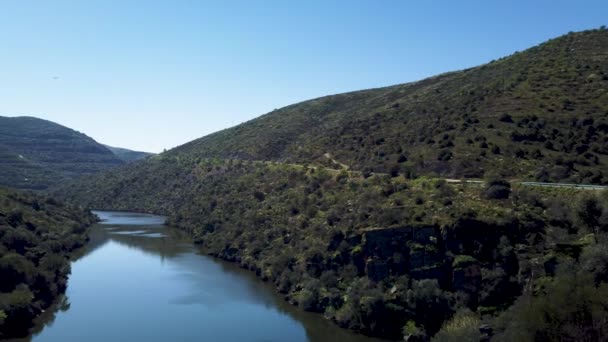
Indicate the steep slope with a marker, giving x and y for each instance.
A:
(538, 114)
(127, 155)
(36, 236)
(390, 255)
(36, 153)
(374, 254)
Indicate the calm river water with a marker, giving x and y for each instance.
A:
(141, 281)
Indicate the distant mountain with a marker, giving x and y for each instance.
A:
(36, 153)
(127, 155)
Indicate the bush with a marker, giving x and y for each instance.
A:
(463, 261)
(445, 155)
(14, 270)
(594, 260)
(588, 212)
(412, 332)
(464, 326)
(505, 118)
(569, 308)
(258, 195)
(14, 218)
(497, 189)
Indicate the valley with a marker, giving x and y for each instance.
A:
(468, 206)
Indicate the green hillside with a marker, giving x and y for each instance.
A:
(127, 155)
(539, 114)
(36, 153)
(338, 201)
(36, 236)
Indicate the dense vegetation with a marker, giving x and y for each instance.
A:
(36, 237)
(127, 155)
(35, 153)
(343, 211)
(382, 255)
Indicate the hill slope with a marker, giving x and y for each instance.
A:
(538, 114)
(127, 155)
(36, 153)
(37, 235)
(392, 256)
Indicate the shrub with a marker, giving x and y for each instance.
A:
(497, 189)
(589, 213)
(505, 118)
(258, 195)
(464, 326)
(14, 218)
(569, 308)
(463, 261)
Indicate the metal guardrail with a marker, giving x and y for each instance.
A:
(548, 185)
(566, 185)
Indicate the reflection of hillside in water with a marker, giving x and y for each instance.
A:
(209, 275)
(175, 243)
(154, 240)
(318, 329)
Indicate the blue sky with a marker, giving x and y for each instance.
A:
(150, 75)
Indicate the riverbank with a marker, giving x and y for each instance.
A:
(140, 281)
(38, 237)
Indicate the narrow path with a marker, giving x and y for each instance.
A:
(448, 180)
(330, 157)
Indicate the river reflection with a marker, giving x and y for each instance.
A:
(141, 281)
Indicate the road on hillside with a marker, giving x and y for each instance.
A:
(548, 185)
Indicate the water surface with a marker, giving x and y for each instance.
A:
(141, 281)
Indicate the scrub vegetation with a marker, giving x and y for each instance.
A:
(541, 114)
(37, 236)
(340, 202)
(381, 255)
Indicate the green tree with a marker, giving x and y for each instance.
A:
(588, 212)
(497, 189)
(463, 326)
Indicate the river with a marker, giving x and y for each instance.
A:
(139, 280)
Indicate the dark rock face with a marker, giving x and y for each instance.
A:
(425, 234)
(434, 272)
(424, 257)
(420, 252)
(401, 250)
(376, 269)
(467, 279)
(384, 242)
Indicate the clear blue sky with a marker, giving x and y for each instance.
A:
(150, 74)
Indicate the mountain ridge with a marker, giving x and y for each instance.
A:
(428, 121)
(37, 153)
